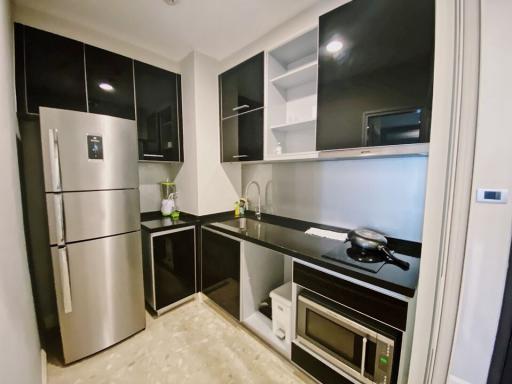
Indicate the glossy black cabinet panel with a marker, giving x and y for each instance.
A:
(242, 137)
(158, 94)
(375, 73)
(221, 271)
(109, 83)
(54, 71)
(174, 265)
(241, 87)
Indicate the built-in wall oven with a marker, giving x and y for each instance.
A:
(353, 346)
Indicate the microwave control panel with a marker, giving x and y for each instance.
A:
(384, 362)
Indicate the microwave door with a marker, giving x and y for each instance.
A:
(84, 151)
(344, 343)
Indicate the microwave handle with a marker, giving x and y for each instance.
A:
(363, 355)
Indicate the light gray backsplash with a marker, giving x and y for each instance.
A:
(387, 195)
(150, 176)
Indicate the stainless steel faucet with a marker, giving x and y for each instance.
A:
(258, 210)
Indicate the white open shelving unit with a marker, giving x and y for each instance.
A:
(291, 98)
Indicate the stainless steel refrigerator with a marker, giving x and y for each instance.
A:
(91, 182)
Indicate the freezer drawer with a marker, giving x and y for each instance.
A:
(85, 152)
(89, 215)
(99, 290)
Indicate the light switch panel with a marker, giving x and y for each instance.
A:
(493, 196)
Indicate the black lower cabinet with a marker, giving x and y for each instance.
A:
(242, 137)
(174, 267)
(316, 368)
(221, 271)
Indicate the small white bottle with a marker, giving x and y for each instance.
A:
(279, 149)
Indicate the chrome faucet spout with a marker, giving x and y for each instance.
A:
(258, 209)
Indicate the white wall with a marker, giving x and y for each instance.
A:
(19, 342)
(219, 184)
(186, 180)
(490, 226)
(204, 185)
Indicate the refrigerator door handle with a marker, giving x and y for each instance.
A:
(54, 158)
(59, 218)
(65, 280)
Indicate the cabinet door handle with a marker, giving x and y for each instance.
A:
(147, 155)
(241, 107)
(239, 156)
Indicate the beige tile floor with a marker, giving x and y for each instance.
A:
(191, 344)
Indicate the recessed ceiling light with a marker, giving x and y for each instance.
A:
(106, 87)
(334, 46)
(171, 2)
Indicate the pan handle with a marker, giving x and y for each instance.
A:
(393, 259)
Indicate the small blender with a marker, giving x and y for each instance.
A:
(168, 207)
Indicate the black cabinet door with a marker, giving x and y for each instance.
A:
(174, 266)
(375, 73)
(242, 137)
(241, 87)
(109, 83)
(221, 271)
(54, 71)
(158, 113)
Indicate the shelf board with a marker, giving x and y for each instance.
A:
(296, 48)
(292, 156)
(262, 326)
(311, 124)
(298, 76)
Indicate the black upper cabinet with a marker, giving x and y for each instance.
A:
(241, 87)
(54, 71)
(242, 137)
(241, 102)
(221, 271)
(375, 74)
(109, 83)
(158, 98)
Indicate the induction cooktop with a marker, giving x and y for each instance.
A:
(371, 261)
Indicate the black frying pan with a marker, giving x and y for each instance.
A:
(374, 241)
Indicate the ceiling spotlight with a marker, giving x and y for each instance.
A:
(171, 2)
(334, 46)
(106, 87)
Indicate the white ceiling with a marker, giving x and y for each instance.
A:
(217, 28)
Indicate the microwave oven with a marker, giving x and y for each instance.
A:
(362, 352)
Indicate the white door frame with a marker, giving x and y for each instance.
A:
(450, 169)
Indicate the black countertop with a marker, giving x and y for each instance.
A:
(155, 222)
(287, 236)
(294, 242)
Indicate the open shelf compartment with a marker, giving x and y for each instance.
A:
(292, 71)
(263, 270)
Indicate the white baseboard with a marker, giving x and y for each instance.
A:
(456, 380)
(44, 376)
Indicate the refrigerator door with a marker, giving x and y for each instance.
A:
(89, 215)
(87, 152)
(99, 289)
